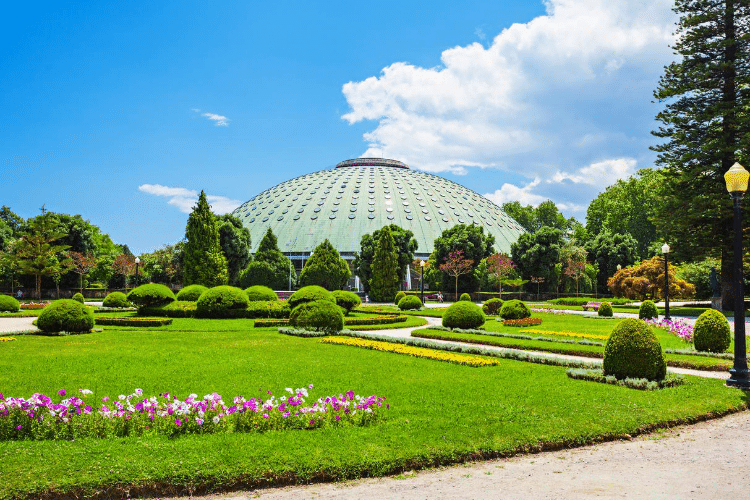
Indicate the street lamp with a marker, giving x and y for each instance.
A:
(137, 263)
(421, 280)
(736, 179)
(665, 251)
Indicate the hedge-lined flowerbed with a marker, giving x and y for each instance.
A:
(597, 375)
(268, 322)
(134, 321)
(522, 322)
(377, 320)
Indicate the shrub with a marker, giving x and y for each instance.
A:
(605, 309)
(492, 306)
(410, 302)
(400, 295)
(465, 297)
(633, 351)
(463, 314)
(711, 332)
(579, 301)
(309, 294)
(9, 304)
(191, 293)
(321, 315)
(116, 299)
(151, 295)
(514, 309)
(260, 293)
(222, 302)
(78, 297)
(271, 309)
(346, 300)
(648, 310)
(66, 315)
(176, 309)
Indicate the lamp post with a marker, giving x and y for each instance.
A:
(137, 263)
(421, 280)
(736, 179)
(665, 251)
(290, 274)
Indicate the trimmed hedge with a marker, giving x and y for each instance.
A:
(605, 309)
(648, 310)
(191, 293)
(463, 314)
(633, 351)
(399, 295)
(222, 302)
(9, 304)
(492, 306)
(514, 309)
(176, 309)
(465, 297)
(78, 296)
(410, 302)
(151, 295)
(309, 294)
(268, 322)
(579, 301)
(66, 315)
(260, 293)
(270, 309)
(376, 320)
(346, 300)
(116, 299)
(711, 332)
(133, 321)
(320, 315)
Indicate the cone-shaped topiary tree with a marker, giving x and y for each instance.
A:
(204, 262)
(325, 268)
(384, 283)
(269, 267)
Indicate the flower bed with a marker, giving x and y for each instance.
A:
(377, 320)
(567, 334)
(264, 322)
(419, 352)
(34, 305)
(40, 418)
(6, 339)
(676, 326)
(597, 375)
(522, 322)
(134, 321)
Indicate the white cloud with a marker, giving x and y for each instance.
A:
(510, 192)
(185, 199)
(219, 120)
(565, 89)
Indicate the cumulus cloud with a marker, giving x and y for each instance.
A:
(564, 89)
(185, 199)
(219, 120)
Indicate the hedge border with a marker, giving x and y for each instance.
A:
(133, 321)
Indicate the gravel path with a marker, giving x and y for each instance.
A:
(8, 325)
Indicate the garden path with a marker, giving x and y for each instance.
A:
(8, 325)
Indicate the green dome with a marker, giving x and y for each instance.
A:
(361, 196)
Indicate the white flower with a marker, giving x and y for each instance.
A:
(139, 392)
(216, 420)
(85, 392)
(289, 389)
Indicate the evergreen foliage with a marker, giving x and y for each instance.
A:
(465, 297)
(463, 315)
(325, 268)
(260, 293)
(234, 239)
(475, 245)
(385, 276)
(66, 315)
(608, 250)
(37, 249)
(321, 315)
(9, 304)
(399, 295)
(711, 332)
(309, 294)
(346, 300)
(706, 129)
(633, 351)
(204, 263)
(151, 295)
(116, 299)
(269, 267)
(191, 293)
(537, 254)
(405, 244)
(78, 297)
(605, 309)
(648, 310)
(410, 302)
(492, 306)
(514, 309)
(222, 302)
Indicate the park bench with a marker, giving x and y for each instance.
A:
(594, 306)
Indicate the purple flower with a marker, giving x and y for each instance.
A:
(61, 392)
(265, 415)
(19, 427)
(178, 422)
(338, 418)
(105, 399)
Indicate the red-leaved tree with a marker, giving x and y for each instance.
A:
(82, 265)
(455, 265)
(500, 265)
(125, 265)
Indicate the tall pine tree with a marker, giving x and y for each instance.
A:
(384, 283)
(706, 127)
(325, 268)
(204, 262)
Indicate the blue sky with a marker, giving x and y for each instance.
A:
(122, 112)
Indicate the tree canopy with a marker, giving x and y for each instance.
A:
(234, 239)
(385, 272)
(405, 243)
(269, 267)
(325, 268)
(537, 254)
(475, 244)
(204, 262)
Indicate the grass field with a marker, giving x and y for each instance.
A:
(440, 412)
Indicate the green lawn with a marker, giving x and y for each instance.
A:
(441, 413)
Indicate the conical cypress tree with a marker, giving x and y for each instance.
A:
(325, 268)
(384, 284)
(204, 262)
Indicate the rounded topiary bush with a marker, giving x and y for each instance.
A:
(346, 300)
(514, 309)
(222, 302)
(322, 315)
(605, 309)
(492, 306)
(9, 304)
(633, 351)
(309, 294)
(191, 293)
(151, 295)
(711, 332)
(648, 310)
(463, 314)
(260, 293)
(400, 295)
(66, 315)
(465, 297)
(116, 299)
(78, 296)
(410, 302)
